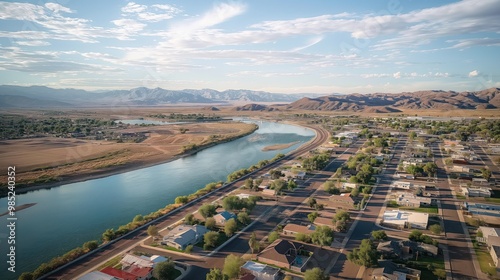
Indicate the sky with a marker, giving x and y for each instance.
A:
(312, 46)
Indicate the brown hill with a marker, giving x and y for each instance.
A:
(254, 107)
(388, 103)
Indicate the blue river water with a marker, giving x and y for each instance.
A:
(67, 216)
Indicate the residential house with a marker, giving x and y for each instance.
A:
(349, 185)
(97, 275)
(405, 219)
(342, 201)
(476, 191)
(184, 235)
(286, 254)
(292, 229)
(141, 273)
(322, 221)
(156, 259)
(402, 185)
(391, 271)
(480, 181)
(269, 192)
(130, 260)
(261, 271)
(492, 238)
(301, 175)
(224, 216)
(411, 200)
(460, 168)
(405, 249)
(120, 274)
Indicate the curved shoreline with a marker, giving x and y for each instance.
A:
(77, 178)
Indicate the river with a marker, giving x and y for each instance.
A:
(67, 216)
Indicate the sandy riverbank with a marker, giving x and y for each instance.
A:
(279, 146)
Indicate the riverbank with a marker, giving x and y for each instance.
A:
(130, 159)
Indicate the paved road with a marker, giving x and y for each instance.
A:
(460, 257)
(344, 269)
(83, 265)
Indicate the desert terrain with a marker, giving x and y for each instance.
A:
(49, 160)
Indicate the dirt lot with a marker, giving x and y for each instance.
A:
(47, 160)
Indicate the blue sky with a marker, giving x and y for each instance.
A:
(277, 46)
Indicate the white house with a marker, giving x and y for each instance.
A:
(405, 219)
(261, 271)
(301, 175)
(184, 235)
(97, 275)
(476, 191)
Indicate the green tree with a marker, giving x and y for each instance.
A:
(486, 173)
(232, 265)
(108, 235)
(412, 135)
(340, 225)
(322, 235)
(243, 218)
(210, 239)
(379, 235)
(329, 187)
(342, 215)
(153, 231)
(249, 183)
(273, 236)
(291, 185)
(207, 210)
(210, 223)
(312, 216)
(315, 274)
(230, 227)
(253, 243)
(216, 274)
(414, 170)
(355, 192)
(302, 237)
(365, 255)
(189, 249)
(278, 185)
(415, 235)
(311, 202)
(440, 273)
(436, 229)
(164, 271)
(430, 168)
(189, 219)
(26, 276)
(181, 199)
(138, 218)
(90, 245)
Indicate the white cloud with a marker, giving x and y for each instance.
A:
(397, 75)
(132, 7)
(33, 43)
(473, 73)
(129, 25)
(155, 13)
(56, 8)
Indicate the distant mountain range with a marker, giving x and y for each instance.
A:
(40, 96)
(388, 103)
(45, 97)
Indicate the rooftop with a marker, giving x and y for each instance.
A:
(261, 268)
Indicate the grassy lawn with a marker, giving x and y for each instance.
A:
(492, 199)
(423, 264)
(392, 204)
(114, 262)
(485, 260)
(430, 210)
(459, 196)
